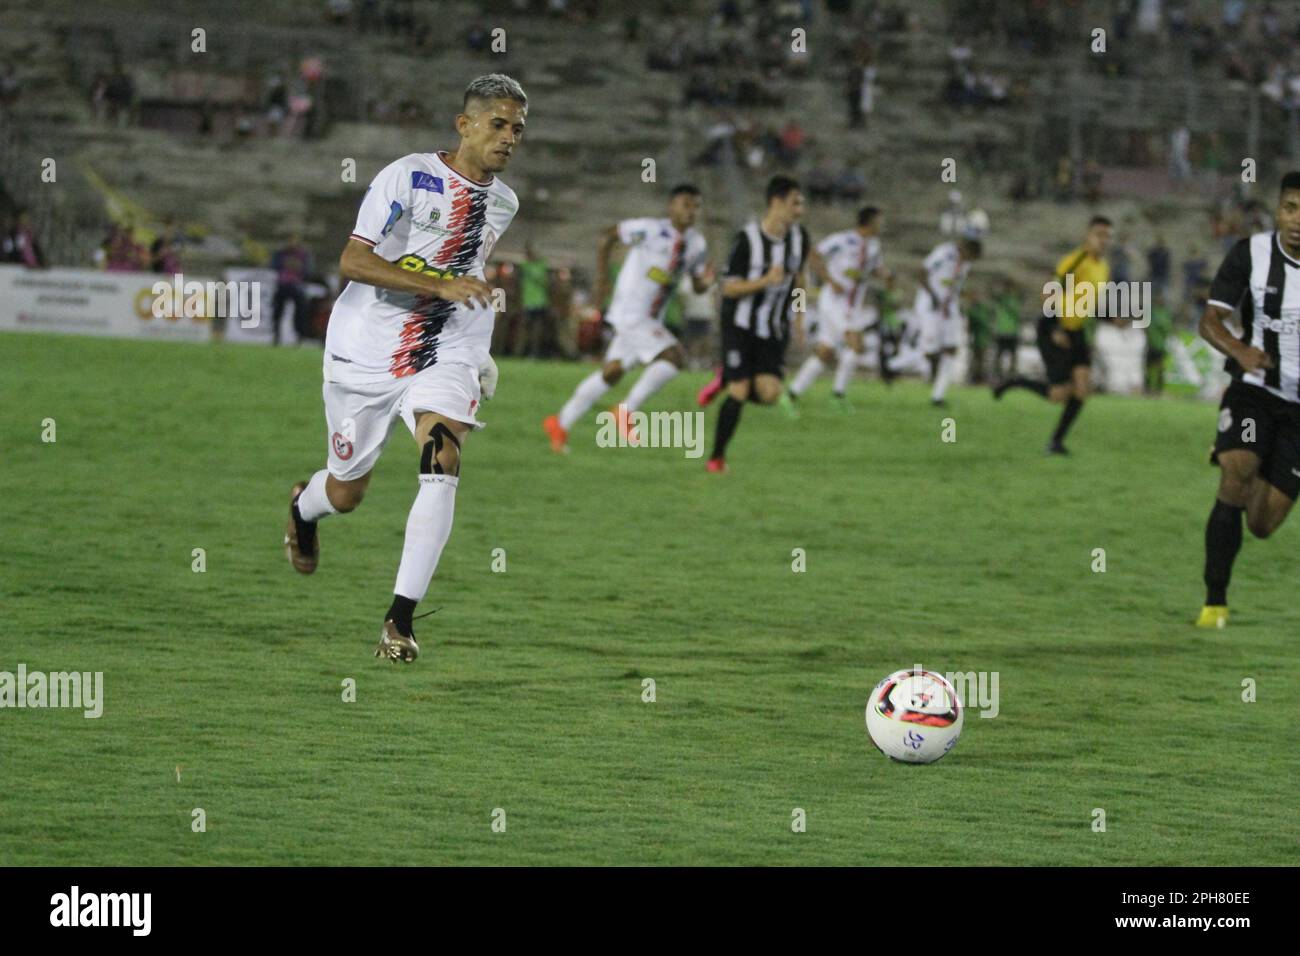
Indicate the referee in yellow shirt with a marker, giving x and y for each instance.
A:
(1062, 338)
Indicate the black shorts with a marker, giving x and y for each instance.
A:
(745, 355)
(1254, 419)
(1062, 360)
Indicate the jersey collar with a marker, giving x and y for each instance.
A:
(1277, 244)
(442, 158)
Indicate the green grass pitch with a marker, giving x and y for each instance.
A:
(223, 689)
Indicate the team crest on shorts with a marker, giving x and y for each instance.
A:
(473, 404)
(1225, 419)
(733, 358)
(342, 447)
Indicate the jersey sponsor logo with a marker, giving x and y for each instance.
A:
(1283, 326)
(428, 181)
(413, 263)
(394, 214)
(342, 447)
(431, 224)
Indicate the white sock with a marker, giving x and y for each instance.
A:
(584, 396)
(655, 376)
(428, 527)
(941, 378)
(844, 370)
(313, 503)
(812, 367)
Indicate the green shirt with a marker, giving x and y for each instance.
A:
(980, 317)
(534, 283)
(1162, 323)
(1006, 316)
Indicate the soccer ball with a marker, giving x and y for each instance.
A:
(914, 716)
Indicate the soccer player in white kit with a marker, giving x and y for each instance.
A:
(660, 252)
(849, 260)
(409, 336)
(937, 311)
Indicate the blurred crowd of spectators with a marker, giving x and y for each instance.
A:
(18, 242)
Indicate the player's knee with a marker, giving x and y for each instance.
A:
(768, 392)
(344, 496)
(825, 353)
(440, 453)
(674, 355)
(739, 391)
(611, 373)
(1261, 526)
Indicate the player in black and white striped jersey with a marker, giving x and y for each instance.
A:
(765, 266)
(1258, 443)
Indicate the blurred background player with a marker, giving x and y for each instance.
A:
(936, 314)
(660, 252)
(766, 263)
(844, 262)
(1006, 329)
(292, 264)
(1257, 447)
(1063, 338)
(1158, 333)
(539, 320)
(409, 338)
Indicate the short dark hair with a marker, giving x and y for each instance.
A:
(683, 189)
(1290, 181)
(866, 214)
(778, 187)
(494, 86)
(1099, 221)
(973, 246)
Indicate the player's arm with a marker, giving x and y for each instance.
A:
(923, 277)
(360, 263)
(702, 282)
(1214, 331)
(739, 288)
(822, 273)
(1229, 285)
(735, 287)
(604, 246)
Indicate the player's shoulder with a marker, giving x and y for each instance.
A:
(1073, 257)
(944, 250)
(503, 197)
(1256, 244)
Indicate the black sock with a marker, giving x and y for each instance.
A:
(1222, 542)
(1038, 388)
(728, 419)
(400, 614)
(306, 532)
(1068, 414)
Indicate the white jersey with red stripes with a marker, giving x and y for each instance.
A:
(851, 258)
(657, 257)
(422, 215)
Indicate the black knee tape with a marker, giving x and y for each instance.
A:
(440, 433)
